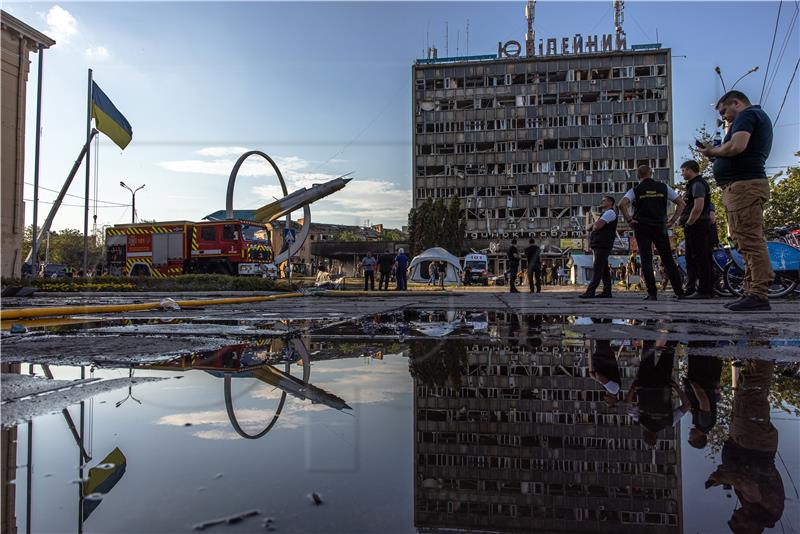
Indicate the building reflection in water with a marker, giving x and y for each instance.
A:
(528, 435)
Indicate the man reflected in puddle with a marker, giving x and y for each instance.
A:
(604, 369)
(748, 455)
(702, 387)
(651, 390)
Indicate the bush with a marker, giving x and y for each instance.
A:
(187, 282)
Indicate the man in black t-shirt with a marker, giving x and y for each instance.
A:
(385, 263)
(649, 222)
(513, 265)
(695, 222)
(533, 257)
(739, 170)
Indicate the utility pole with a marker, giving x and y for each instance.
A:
(133, 200)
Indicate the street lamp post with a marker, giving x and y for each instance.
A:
(133, 200)
(719, 74)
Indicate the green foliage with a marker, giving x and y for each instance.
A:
(66, 247)
(783, 207)
(392, 235)
(436, 224)
(348, 236)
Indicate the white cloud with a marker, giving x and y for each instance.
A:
(97, 53)
(377, 200)
(61, 25)
(222, 151)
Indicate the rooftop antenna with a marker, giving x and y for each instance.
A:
(529, 36)
(446, 39)
(458, 35)
(467, 52)
(619, 18)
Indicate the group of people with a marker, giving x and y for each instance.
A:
(739, 169)
(437, 272)
(388, 266)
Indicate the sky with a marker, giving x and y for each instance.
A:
(325, 89)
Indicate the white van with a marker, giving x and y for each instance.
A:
(476, 269)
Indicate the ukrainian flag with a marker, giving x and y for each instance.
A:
(109, 120)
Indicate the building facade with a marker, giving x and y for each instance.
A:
(520, 439)
(18, 41)
(531, 144)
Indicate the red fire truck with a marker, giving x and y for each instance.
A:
(181, 247)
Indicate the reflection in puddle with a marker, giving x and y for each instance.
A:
(499, 421)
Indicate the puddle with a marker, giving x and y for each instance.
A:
(427, 420)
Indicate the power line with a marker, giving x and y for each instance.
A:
(787, 90)
(774, 34)
(77, 205)
(784, 45)
(78, 196)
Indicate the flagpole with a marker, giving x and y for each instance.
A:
(88, 175)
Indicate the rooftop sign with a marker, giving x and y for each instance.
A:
(565, 46)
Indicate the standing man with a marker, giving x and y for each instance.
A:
(401, 264)
(368, 264)
(385, 263)
(513, 265)
(649, 223)
(441, 268)
(696, 224)
(739, 170)
(601, 241)
(533, 256)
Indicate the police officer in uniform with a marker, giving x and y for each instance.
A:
(695, 220)
(649, 223)
(601, 241)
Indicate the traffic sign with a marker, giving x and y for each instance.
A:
(289, 235)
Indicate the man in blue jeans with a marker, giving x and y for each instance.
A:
(401, 265)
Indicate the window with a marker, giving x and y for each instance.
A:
(229, 232)
(208, 233)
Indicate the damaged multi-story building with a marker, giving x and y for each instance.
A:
(530, 144)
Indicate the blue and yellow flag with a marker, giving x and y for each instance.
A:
(109, 120)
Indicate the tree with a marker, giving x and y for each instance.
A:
(66, 247)
(347, 235)
(783, 207)
(436, 224)
(392, 235)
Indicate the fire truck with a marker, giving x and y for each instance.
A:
(181, 247)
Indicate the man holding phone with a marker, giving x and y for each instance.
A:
(739, 169)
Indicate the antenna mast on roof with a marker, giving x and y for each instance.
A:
(619, 18)
(467, 53)
(446, 39)
(529, 36)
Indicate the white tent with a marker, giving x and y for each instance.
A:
(419, 266)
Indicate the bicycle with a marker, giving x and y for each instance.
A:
(720, 262)
(785, 261)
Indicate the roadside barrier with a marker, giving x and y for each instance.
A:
(53, 311)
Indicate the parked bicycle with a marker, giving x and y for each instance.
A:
(785, 260)
(720, 261)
